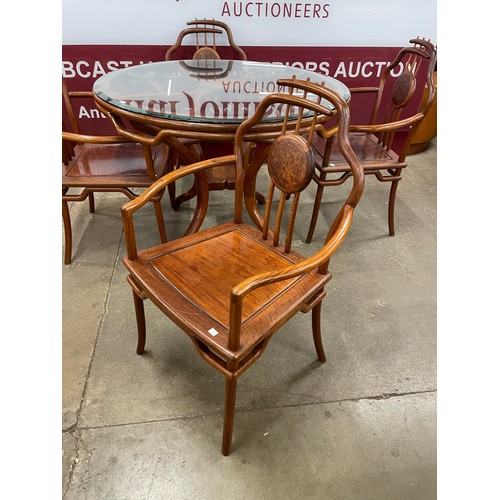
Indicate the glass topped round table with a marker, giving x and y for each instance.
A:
(199, 95)
(199, 100)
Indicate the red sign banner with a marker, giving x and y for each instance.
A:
(82, 65)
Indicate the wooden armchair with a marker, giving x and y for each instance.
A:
(381, 145)
(212, 40)
(104, 163)
(232, 286)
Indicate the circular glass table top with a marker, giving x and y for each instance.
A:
(202, 91)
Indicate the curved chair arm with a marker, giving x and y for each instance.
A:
(383, 127)
(140, 137)
(129, 208)
(153, 136)
(363, 90)
(342, 225)
(94, 139)
(81, 93)
(386, 127)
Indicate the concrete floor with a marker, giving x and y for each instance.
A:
(362, 425)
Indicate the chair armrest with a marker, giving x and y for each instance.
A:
(363, 90)
(302, 267)
(325, 133)
(149, 136)
(94, 139)
(81, 93)
(132, 206)
(385, 127)
(342, 225)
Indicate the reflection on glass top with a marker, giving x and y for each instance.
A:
(212, 91)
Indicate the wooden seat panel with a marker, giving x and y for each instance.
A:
(222, 261)
(195, 277)
(115, 164)
(106, 160)
(367, 148)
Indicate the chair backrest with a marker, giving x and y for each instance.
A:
(212, 40)
(397, 95)
(68, 107)
(72, 136)
(68, 150)
(289, 157)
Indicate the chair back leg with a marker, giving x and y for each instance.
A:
(160, 220)
(315, 212)
(141, 323)
(392, 203)
(316, 327)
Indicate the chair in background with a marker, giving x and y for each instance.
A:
(104, 163)
(376, 144)
(212, 40)
(232, 286)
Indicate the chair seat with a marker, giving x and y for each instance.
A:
(372, 155)
(191, 280)
(114, 164)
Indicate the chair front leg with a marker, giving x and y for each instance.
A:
(91, 202)
(141, 323)
(392, 202)
(229, 406)
(68, 237)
